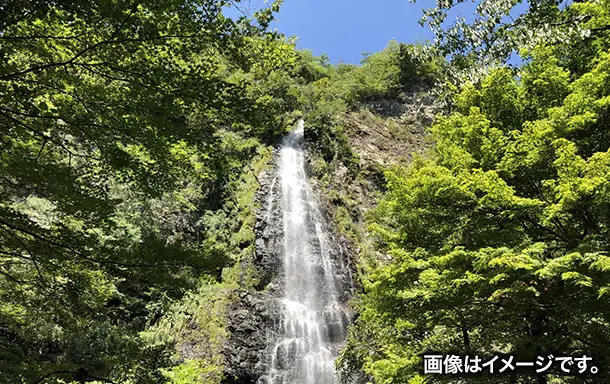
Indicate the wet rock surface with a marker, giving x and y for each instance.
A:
(251, 317)
(268, 229)
(255, 318)
(254, 315)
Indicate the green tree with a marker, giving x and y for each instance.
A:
(122, 124)
(500, 29)
(499, 239)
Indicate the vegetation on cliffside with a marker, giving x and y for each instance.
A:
(497, 238)
(133, 134)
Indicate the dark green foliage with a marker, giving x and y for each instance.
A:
(122, 124)
(419, 66)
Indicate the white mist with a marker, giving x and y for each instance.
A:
(313, 321)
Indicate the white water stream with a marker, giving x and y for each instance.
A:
(313, 321)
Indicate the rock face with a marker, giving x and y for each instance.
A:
(255, 317)
(252, 314)
(269, 230)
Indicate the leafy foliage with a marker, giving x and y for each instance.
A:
(386, 75)
(499, 239)
(500, 29)
(197, 326)
(123, 124)
(133, 134)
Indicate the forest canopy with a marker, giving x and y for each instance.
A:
(133, 134)
(126, 128)
(498, 239)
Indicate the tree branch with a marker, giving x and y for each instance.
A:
(67, 62)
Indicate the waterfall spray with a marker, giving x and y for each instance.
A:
(313, 320)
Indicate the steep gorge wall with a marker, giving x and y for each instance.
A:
(381, 135)
(255, 314)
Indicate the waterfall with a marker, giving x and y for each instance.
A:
(313, 317)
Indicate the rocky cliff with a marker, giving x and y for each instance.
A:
(381, 134)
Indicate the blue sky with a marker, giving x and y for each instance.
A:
(344, 29)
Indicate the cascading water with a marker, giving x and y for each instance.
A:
(313, 320)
